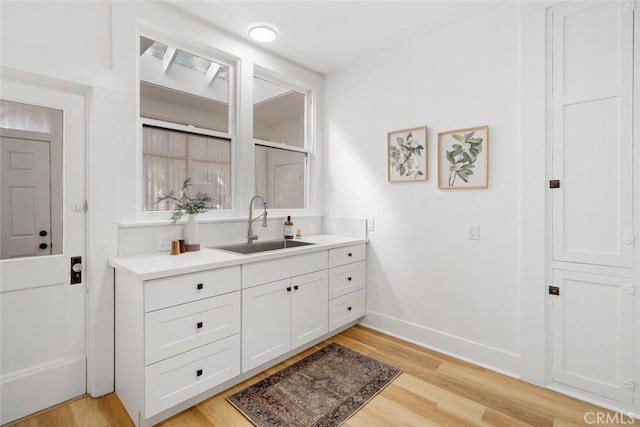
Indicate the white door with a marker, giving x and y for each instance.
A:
(266, 322)
(25, 192)
(592, 333)
(309, 307)
(592, 132)
(591, 125)
(289, 185)
(43, 316)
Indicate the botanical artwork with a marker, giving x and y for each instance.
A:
(407, 155)
(463, 158)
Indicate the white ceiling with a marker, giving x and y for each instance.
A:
(326, 35)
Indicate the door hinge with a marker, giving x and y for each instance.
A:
(554, 183)
(630, 384)
(629, 289)
(554, 290)
(630, 239)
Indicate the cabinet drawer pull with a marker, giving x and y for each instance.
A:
(348, 279)
(288, 288)
(349, 308)
(199, 286)
(199, 373)
(295, 288)
(349, 254)
(199, 325)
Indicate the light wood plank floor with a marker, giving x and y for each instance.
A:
(433, 389)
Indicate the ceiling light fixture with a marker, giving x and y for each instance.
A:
(263, 34)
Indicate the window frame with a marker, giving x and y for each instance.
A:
(210, 54)
(309, 138)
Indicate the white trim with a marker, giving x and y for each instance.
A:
(479, 354)
(134, 224)
(185, 128)
(281, 146)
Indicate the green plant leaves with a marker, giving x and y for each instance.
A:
(404, 155)
(463, 156)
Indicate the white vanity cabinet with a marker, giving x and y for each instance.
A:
(284, 314)
(347, 284)
(176, 337)
(190, 326)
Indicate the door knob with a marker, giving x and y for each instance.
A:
(43, 246)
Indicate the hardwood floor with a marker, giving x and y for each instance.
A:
(433, 389)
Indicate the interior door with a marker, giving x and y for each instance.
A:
(43, 316)
(26, 199)
(288, 185)
(592, 236)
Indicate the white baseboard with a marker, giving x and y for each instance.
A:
(23, 393)
(479, 354)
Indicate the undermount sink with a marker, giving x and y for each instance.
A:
(272, 245)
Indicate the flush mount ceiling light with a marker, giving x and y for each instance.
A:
(263, 34)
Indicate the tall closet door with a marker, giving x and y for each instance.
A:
(592, 131)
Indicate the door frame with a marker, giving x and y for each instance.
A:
(35, 80)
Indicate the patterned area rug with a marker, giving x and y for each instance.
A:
(323, 389)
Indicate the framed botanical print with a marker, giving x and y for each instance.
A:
(463, 158)
(407, 155)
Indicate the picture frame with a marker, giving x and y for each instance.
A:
(407, 155)
(463, 158)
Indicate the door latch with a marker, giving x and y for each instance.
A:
(76, 270)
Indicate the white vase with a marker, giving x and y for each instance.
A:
(191, 234)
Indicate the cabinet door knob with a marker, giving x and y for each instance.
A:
(199, 286)
(295, 287)
(348, 279)
(199, 373)
(349, 308)
(43, 233)
(349, 254)
(43, 246)
(199, 325)
(288, 288)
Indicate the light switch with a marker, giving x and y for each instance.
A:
(473, 231)
(370, 224)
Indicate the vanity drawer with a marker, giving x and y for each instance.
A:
(347, 278)
(179, 378)
(174, 290)
(181, 328)
(257, 273)
(347, 308)
(347, 255)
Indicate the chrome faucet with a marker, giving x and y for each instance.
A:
(250, 236)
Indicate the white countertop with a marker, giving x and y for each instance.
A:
(160, 264)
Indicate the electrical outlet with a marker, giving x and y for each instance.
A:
(370, 224)
(164, 241)
(473, 231)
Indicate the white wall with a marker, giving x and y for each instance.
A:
(426, 281)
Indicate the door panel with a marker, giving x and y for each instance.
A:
(592, 133)
(592, 333)
(266, 323)
(309, 307)
(43, 317)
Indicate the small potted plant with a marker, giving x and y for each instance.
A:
(185, 204)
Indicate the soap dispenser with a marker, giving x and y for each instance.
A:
(288, 228)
